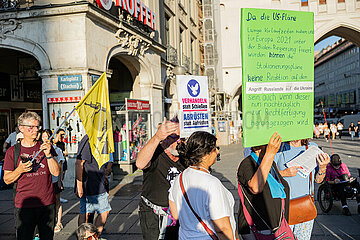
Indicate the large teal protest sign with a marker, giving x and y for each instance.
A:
(278, 74)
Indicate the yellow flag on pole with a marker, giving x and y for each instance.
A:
(95, 114)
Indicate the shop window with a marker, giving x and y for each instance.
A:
(341, 1)
(322, 1)
(304, 3)
(121, 81)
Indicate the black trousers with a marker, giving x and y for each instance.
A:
(149, 223)
(339, 189)
(26, 219)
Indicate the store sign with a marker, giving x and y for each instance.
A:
(64, 99)
(135, 8)
(94, 78)
(194, 104)
(104, 4)
(139, 105)
(69, 82)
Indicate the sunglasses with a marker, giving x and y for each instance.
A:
(31, 127)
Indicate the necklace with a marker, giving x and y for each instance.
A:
(199, 168)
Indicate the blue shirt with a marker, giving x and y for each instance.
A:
(299, 186)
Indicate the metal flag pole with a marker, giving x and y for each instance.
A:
(322, 105)
(54, 134)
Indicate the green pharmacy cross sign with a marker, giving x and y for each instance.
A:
(277, 74)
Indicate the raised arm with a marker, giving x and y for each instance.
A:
(257, 182)
(323, 160)
(147, 152)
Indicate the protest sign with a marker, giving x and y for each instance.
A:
(193, 95)
(277, 49)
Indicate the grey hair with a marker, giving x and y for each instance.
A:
(26, 116)
(83, 228)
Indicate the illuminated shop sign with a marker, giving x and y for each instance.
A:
(135, 8)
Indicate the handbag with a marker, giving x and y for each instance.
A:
(208, 230)
(302, 209)
(281, 232)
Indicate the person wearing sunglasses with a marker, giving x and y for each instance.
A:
(34, 191)
(87, 231)
(160, 162)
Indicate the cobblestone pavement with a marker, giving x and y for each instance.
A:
(123, 222)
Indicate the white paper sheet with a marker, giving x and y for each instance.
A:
(306, 160)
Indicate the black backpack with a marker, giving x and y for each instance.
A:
(17, 151)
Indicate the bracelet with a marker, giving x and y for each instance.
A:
(49, 157)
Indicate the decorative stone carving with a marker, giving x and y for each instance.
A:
(133, 44)
(8, 27)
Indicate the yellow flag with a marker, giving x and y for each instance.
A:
(95, 114)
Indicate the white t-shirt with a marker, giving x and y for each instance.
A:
(60, 157)
(209, 199)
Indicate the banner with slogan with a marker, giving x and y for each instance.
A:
(277, 50)
(193, 95)
(95, 114)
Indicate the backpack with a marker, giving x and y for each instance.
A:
(17, 151)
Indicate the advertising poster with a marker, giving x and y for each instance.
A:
(277, 74)
(193, 95)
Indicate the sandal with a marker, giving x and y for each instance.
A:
(58, 228)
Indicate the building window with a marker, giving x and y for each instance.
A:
(322, 1)
(341, 1)
(304, 3)
(167, 30)
(181, 45)
(192, 54)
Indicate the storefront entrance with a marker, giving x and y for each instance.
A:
(20, 89)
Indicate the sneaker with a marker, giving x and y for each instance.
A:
(346, 211)
(36, 237)
(62, 200)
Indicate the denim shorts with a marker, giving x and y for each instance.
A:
(99, 203)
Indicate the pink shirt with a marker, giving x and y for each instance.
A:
(332, 173)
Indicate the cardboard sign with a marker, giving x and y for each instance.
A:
(277, 74)
(193, 95)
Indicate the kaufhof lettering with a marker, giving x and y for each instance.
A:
(135, 8)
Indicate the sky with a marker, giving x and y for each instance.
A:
(324, 43)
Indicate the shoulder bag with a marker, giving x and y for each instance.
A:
(281, 232)
(208, 230)
(302, 209)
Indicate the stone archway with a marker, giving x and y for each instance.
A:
(29, 47)
(345, 30)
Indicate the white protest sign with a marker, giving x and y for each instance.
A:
(193, 95)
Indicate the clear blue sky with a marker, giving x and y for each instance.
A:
(324, 43)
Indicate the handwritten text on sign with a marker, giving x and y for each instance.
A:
(278, 74)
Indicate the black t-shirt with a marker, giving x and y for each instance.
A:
(93, 178)
(61, 145)
(352, 128)
(158, 178)
(269, 208)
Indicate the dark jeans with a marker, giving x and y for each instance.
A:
(339, 189)
(149, 223)
(26, 219)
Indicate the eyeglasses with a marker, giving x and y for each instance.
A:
(94, 236)
(31, 127)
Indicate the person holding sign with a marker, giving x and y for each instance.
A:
(209, 208)
(264, 194)
(160, 162)
(300, 187)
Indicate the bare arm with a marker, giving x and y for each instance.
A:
(52, 162)
(290, 172)
(323, 160)
(79, 168)
(257, 182)
(145, 154)
(223, 228)
(173, 210)
(12, 176)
